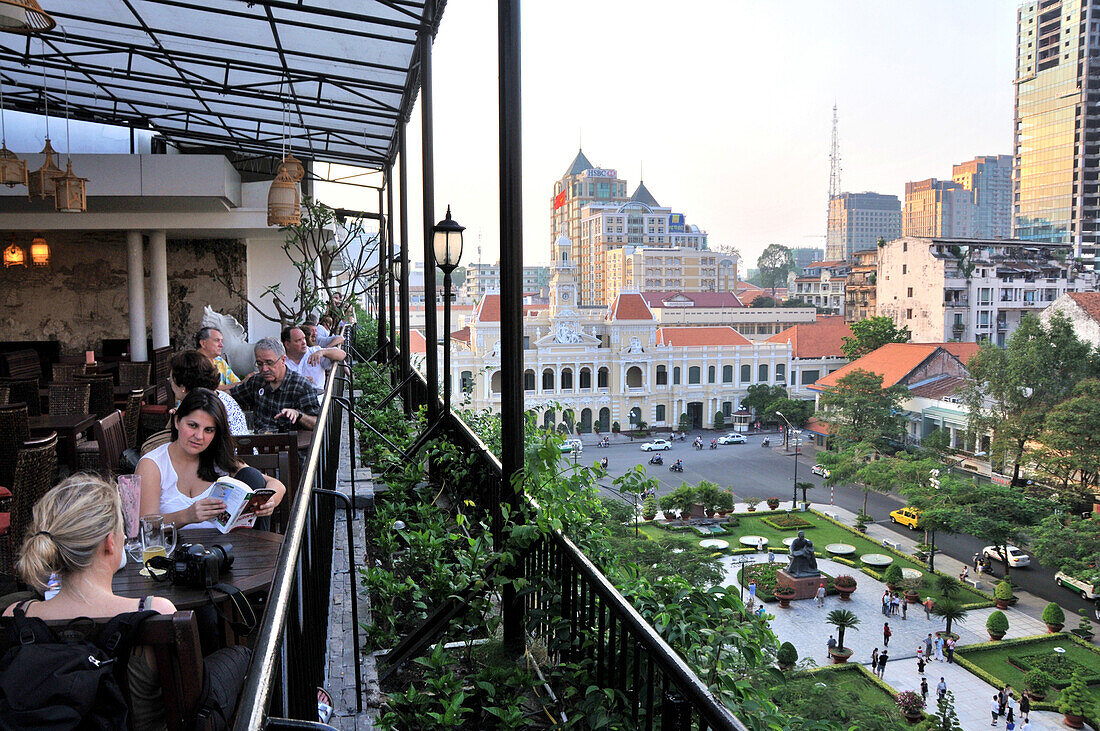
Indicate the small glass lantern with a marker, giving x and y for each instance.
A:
(24, 16)
(40, 183)
(447, 243)
(284, 203)
(40, 251)
(13, 171)
(14, 256)
(70, 195)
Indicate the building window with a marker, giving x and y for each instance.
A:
(586, 378)
(780, 371)
(727, 374)
(746, 373)
(601, 378)
(467, 381)
(494, 383)
(567, 379)
(659, 414)
(711, 371)
(909, 313)
(694, 374)
(909, 292)
(662, 375)
(548, 380)
(762, 372)
(727, 409)
(809, 377)
(676, 376)
(528, 380)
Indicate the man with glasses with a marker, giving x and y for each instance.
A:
(277, 396)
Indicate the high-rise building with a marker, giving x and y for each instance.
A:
(1056, 170)
(858, 220)
(989, 179)
(664, 269)
(806, 255)
(938, 208)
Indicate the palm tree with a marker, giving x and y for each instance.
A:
(804, 486)
(950, 610)
(842, 619)
(947, 586)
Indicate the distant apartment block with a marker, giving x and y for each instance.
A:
(941, 208)
(657, 269)
(860, 290)
(806, 255)
(822, 285)
(971, 290)
(858, 220)
(989, 179)
(484, 278)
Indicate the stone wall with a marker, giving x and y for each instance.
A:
(81, 297)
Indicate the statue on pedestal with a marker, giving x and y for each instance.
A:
(803, 562)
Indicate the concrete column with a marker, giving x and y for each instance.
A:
(158, 275)
(135, 286)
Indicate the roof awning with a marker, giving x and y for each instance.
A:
(337, 76)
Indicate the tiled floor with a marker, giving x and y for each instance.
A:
(803, 625)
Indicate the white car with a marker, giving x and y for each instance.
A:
(732, 439)
(574, 444)
(1016, 557)
(1084, 588)
(655, 445)
(821, 470)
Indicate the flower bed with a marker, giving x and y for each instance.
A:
(764, 574)
(787, 522)
(1060, 668)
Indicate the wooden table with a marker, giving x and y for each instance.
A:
(68, 428)
(255, 552)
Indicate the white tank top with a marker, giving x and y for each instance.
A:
(171, 499)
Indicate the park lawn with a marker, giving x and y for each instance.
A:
(995, 661)
(680, 536)
(848, 689)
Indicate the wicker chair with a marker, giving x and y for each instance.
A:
(35, 468)
(69, 399)
(66, 372)
(13, 432)
(102, 455)
(25, 391)
(133, 375)
(102, 401)
(131, 418)
(4, 393)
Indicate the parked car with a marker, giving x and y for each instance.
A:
(1016, 557)
(732, 439)
(821, 470)
(655, 445)
(906, 516)
(1082, 587)
(572, 445)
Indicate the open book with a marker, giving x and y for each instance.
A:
(240, 501)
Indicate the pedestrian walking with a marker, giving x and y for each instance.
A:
(752, 594)
(941, 689)
(928, 646)
(920, 664)
(904, 609)
(1025, 708)
(821, 595)
(874, 659)
(882, 658)
(928, 604)
(886, 633)
(939, 649)
(995, 708)
(771, 556)
(831, 644)
(950, 647)
(924, 689)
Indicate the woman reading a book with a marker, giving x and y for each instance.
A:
(176, 478)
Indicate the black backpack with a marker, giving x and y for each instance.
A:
(68, 679)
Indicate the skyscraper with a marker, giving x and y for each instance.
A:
(938, 208)
(1056, 170)
(858, 220)
(989, 179)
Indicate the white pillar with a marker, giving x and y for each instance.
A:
(135, 286)
(158, 274)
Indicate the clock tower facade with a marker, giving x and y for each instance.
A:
(563, 278)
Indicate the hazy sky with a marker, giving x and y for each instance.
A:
(726, 104)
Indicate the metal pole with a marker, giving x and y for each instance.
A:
(447, 342)
(427, 146)
(511, 289)
(794, 500)
(391, 285)
(403, 258)
(383, 276)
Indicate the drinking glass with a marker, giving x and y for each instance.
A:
(157, 539)
(129, 490)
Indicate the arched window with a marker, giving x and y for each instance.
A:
(548, 420)
(746, 373)
(727, 374)
(548, 380)
(586, 378)
(694, 374)
(467, 381)
(634, 377)
(605, 419)
(566, 379)
(780, 371)
(710, 374)
(602, 378)
(635, 415)
(762, 373)
(528, 380)
(676, 375)
(586, 420)
(494, 383)
(662, 375)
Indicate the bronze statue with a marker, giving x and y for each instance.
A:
(803, 563)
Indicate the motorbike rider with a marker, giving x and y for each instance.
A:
(713, 443)
(657, 459)
(679, 465)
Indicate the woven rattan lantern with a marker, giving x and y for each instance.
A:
(40, 182)
(13, 171)
(24, 16)
(69, 194)
(293, 167)
(14, 256)
(40, 251)
(284, 203)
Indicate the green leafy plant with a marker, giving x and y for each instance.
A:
(649, 506)
(844, 581)
(1084, 626)
(948, 586)
(946, 719)
(719, 420)
(910, 703)
(997, 623)
(1038, 682)
(893, 576)
(1076, 700)
(949, 610)
(787, 655)
(1003, 590)
(1053, 615)
(843, 620)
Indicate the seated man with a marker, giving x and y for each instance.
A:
(210, 343)
(277, 396)
(309, 360)
(315, 338)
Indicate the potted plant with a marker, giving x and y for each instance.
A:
(615, 427)
(773, 503)
(911, 590)
(723, 503)
(843, 620)
(1075, 703)
(787, 656)
(845, 585)
(911, 705)
(752, 503)
(1054, 618)
(862, 519)
(1002, 594)
(649, 506)
(804, 486)
(1084, 627)
(1037, 683)
(950, 611)
(996, 625)
(784, 594)
(669, 506)
(893, 577)
(709, 495)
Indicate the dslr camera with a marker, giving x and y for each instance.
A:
(193, 565)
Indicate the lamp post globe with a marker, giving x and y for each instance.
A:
(447, 243)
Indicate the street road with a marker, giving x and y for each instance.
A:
(763, 473)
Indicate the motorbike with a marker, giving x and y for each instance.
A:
(603, 443)
(657, 459)
(765, 442)
(714, 445)
(674, 467)
(699, 446)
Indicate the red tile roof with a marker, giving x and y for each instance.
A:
(629, 306)
(833, 263)
(895, 361)
(488, 309)
(749, 296)
(1089, 302)
(417, 342)
(748, 287)
(694, 337)
(820, 339)
(962, 351)
(939, 388)
(698, 299)
(817, 426)
(463, 335)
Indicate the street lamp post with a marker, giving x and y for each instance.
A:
(447, 243)
(795, 434)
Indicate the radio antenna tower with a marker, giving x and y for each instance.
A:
(834, 249)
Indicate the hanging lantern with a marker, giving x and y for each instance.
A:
(40, 251)
(14, 256)
(283, 201)
(24, 16)
(40, 182)
(293, 167)
(69, 196)
(13, 171)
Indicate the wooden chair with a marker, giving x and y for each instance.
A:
(131, 417)
(66, 372)
(275, 455)
(174, 642)
(23, 364)
(133, 375)
(159, 360)
(69, 399)
(13, 432)
(35, 467)
(102, 401)
(24, 390)
(102, 455)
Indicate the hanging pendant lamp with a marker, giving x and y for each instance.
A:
(24, 16)
(41, 181)
(293, 167)
(284, 204)
(14, 256)
(13, 171)
(40, 251)
(69, 191)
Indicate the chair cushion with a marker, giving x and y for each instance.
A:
(4, 492)
(155, 409)
(5, 523)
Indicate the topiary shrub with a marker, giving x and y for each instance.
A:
(1003, 591)
(787, 655)
(1053, 616)
(1037, 683)
(997, 624)
(615, 427)
(649, 506)
(719, 420)
(1075, 700)
(893, 576)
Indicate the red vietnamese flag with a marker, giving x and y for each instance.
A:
(559, 200)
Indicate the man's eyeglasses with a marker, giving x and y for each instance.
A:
(267, 363)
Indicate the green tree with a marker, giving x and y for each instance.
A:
(949, 610)
(765, 302)
(685, 422)
(1070, 439)
(774, 264)
(719, 420)
(843, 620)
(1000, 514)
(759, 395)
(946, 719)
(871, 334)
(1011, 390)
(1069, 544)
(859, 409)
(797, 411)
(858, 464)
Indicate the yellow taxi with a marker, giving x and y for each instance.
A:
(906, 516)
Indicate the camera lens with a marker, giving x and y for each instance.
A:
(224, 554)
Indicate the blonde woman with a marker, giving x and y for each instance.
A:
(77, 533)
